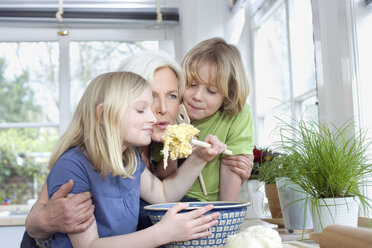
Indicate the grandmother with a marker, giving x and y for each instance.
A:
(75, 214)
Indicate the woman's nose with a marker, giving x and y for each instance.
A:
(160, 107)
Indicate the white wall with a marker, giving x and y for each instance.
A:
(200, 20)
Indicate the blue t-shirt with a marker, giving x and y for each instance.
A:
(116, 199)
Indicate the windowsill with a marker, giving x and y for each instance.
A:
(13, 215)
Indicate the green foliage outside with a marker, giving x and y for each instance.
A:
(24, 152)
(19, 170)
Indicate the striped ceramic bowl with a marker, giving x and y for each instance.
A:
(229, 223)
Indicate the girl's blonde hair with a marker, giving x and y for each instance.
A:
(231, 78)
(100, 134)
(147, 63)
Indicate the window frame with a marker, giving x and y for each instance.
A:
(33, 34)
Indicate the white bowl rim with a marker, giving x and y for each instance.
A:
(235, 204)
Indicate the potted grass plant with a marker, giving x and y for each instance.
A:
(331, 165)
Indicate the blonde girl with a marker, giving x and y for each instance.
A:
(98, 151)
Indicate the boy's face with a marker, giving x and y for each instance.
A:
(141, 120)
(203, 100)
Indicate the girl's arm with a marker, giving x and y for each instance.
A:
(174, 187)
(174, 226)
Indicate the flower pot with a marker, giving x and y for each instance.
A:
(328, 211)
(296, 215)
(251, 192)
(271, 191)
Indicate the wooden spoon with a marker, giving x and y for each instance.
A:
(182, 117)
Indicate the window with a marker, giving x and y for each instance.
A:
(40, 85)
(363, 25)
(284, 68)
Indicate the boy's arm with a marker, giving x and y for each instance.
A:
(60, 214)
(230, 178)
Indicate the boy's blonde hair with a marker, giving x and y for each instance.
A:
(100, 134)
(147, 63)
(231, 78)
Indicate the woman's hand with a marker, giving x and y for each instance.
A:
(60, 214)
(241, 164)
(189, 225)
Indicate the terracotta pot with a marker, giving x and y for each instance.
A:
(271, 192)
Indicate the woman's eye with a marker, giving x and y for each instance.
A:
(140, 111)
(173, 96)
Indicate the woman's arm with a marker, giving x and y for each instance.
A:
(60, 214)
(174, 226)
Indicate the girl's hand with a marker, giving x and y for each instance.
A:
(208, 154)
(189, 225)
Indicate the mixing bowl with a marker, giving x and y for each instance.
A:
(230, 221)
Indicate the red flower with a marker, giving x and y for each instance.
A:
(257, 155)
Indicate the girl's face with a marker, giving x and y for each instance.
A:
(141, 120)
(203, 100)
(166, 101)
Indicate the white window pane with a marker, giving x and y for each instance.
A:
(29, 87)
(364, 41)
(28, 94)
(309, 109)
(268, 126)
(89, 59)
(302, 47)
(271, 62)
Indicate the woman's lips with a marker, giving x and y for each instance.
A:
(162, 125)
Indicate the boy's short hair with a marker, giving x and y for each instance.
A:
(231, 78)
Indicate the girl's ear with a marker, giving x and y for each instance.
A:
(99, 110)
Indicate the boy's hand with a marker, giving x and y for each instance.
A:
(241, 164)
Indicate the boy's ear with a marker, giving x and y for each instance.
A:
(99, 110)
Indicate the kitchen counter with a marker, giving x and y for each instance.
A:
(13, 215)
(12, 224)
(289, 240)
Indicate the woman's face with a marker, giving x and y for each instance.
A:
(166, 101)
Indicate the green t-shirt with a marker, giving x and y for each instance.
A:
(237, 133)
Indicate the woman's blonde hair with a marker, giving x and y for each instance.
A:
(100, 134)
(231, 78)
(147, 63)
